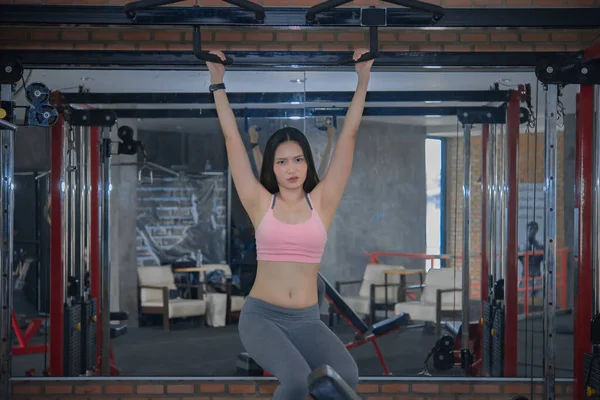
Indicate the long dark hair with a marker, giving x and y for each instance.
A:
(267, 174)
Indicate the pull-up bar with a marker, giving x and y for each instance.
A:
(437, 11)
(372, 17)
(131, 8)
(258, 10)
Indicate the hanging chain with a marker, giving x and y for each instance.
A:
(560, 108)
(71, 151)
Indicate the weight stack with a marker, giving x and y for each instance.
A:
(88, 335)
(487, 339)
(72, 363)
(592, 373)
(497, 369)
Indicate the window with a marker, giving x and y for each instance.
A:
(435, 201)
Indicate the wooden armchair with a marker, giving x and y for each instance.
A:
(441, 300)
(158, 295)
(371, 296)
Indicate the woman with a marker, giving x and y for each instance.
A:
(280, 325)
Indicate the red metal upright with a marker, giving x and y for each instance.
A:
(94, 245)
(584, 183)
(511, 332)
(57, 276)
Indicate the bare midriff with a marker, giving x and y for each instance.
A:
(286, 284)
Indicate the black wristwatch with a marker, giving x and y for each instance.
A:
(216, 86)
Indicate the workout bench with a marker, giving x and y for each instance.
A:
(365, 333)
(116, 330)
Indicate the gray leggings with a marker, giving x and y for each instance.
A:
(290, 343)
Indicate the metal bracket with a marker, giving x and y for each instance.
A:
(488, 115)
(78, 117)
(568, 70)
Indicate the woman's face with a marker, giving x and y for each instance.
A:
(290, 165)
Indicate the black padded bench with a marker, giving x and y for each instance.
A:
(325, 384)
(364, 332)
(121, 329)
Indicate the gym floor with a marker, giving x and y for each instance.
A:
(193, 350)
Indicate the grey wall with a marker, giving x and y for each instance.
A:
(123, 275)
(384, 205)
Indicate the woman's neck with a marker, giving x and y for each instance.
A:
(291, 196)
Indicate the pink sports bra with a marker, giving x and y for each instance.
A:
(302, 243)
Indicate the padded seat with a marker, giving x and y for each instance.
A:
(390, 324)
(181, 308)
(325, 383)
(117, 330)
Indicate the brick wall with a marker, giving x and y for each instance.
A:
(206, 389)
(528, 162)
(391, 39)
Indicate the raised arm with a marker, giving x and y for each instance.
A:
(256, 154)
(326, 156)
(331, 188)
(247, 185)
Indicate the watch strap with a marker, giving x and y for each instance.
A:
(216, 86)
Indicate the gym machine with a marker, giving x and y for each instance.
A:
(82, 148)
(555, 73)
(10, 72)
(80, 259)
(585, 72)
(499, 291)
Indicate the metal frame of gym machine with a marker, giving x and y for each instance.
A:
(585, 72)
(81, 149)
(80, 141)
(9, 74)
(510, 113)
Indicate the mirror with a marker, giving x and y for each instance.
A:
(177, 221)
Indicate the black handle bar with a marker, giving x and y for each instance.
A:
(365, 57)
(205, 55)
